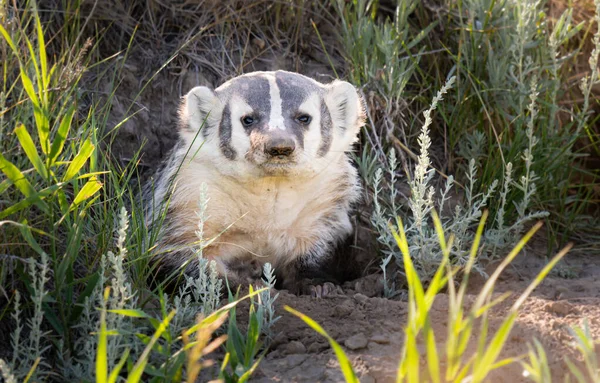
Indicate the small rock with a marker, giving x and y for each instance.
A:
(295, 347)
(357, 341)
(560, 308)
(381, 339)
(295, 360)
(343, 309)
(317, 347)
(360, 298)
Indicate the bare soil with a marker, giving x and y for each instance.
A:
(370, 328)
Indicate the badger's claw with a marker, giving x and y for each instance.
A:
(321, 291)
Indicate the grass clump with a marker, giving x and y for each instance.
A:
(419, 364)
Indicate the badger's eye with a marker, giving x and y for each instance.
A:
(304, 119)
(249, 120)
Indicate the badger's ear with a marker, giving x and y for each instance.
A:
(201, 109)
(345, 106)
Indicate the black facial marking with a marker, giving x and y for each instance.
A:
(205, 110)
(342, 110)
(256, 94)
(294, 90)
(326, 130)
(225, 135)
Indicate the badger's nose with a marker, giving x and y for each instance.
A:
(280, 147)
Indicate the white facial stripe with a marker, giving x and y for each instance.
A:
(312, 137)
(239, 138)
(276, 118)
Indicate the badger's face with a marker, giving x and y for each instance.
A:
(272, 123)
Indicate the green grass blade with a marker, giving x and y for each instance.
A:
(80, 159)
(138, 369)
(345, 364)
(34, 199)
(32, 369)
(409, 364)
(88, 190)
(9, 40)
(472, 255)
(244, 378)
(36, 67)
(101, 351)
(421, 35)
(487, 288)
(114, 374)
(61, 135)
(16, 176)
(42, 48)
(540, 277)
(30, 150)
(24, 186)
(26, 233)
(4, 185)
(481, 369)
(133, 313)
(433, 360)
(41, 120)
(216, 315)
(575, 371)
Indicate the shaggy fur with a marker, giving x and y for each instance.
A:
(290, 210)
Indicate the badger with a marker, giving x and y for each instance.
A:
(272, 149)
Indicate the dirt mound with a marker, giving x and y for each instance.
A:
(371, 328)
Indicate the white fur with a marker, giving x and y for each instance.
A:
(276, 118)
(338, 92)
(239, 138)
(312, 137)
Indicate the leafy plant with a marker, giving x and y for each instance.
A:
(242, 355)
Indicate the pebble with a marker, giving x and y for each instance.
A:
(343, 309)
(295, 360)
(295, 347)
(560, 308)
(360, 298)
(357, 341)
(381, 339)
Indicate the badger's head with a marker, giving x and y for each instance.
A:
(272, 124)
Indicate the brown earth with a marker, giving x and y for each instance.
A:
(370, 328)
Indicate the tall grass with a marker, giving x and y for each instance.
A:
(75, 250)
(74, 259)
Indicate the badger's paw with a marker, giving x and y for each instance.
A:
(325, 290)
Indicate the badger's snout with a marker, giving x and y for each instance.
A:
(280, 147)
